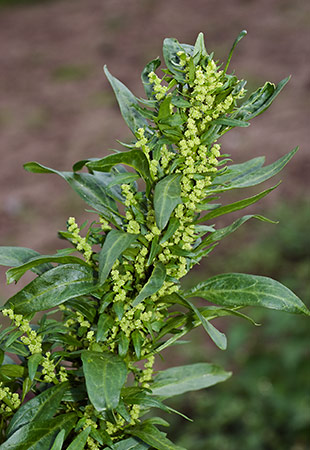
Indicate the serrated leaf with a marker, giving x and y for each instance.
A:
(115, 244)
(152, 436)
(92, 188)
(153, 284)
(177, 380)
(79, 442)
(105, 375)
(41, 407)
(40, 434)
(126, 101)
(133, 158)
(52, 288)
(167, 196)
(239, 289)
(15, 273)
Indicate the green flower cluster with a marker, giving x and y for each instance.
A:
(9, 401)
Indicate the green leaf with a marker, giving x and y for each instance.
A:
(152, 436)
(59, 440)
(15, 256)
(33, 363)
(237, 40)
(130, 444)
(177, 380)
(228, 122)
(217, 336)
(167, 196)
(11, 371)
(15, 273)
(123, 178)
(115, 244)
(41, 407)
(123, 344)
(105, 375)
(199, 49)
(253, 177)
(52, 288)
(239, 290)
(153, 284)
(133, 158)
(40, 434)
(170, 49)
(127, 102)
(92, 188)
(137, 341)
(260, 100)
(150, 67)
(236, 206)
(79, 442)
(105, 323)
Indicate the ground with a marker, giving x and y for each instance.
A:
(56, 106)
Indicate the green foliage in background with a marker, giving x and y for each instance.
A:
(81, 373)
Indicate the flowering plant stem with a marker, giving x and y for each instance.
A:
(82, 375)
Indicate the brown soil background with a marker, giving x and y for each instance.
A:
(56, 106)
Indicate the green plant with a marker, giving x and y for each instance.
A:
(76, 380)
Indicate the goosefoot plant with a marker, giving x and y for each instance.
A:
(81, 376)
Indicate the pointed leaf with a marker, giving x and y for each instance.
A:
(150, 67)
(228, 122)
(130, 444)
(127, 102)
(260, 100)
(115, 244)
(171, 47)
(33, 363)
(105, 375)
(79, 442)
(53, 288)
(15, 273)
(220, 211)
(59, 440)
(237, 40)
(239, 289)
(167, 196)
(151, 435)
(40, 434)
(42, 407)
(153, 284)
(105, 323)
(91, 187)
(133, 158)
(177, 380)
(15, 256)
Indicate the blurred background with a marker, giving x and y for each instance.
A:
(56, 108)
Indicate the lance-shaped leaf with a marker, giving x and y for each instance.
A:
(59, 440)
(53, 288)
(130, 444)
(153, 284)
(167, 196)
(152, 436)
(239, 289)
(217, 336)
(229, 122)
(79, 442)
(105, 375)
(133, 158)
(15, 256)
(115, 244)
(15, 273)
(177, 380)
(40, 434)
(236, 206)
(260, 100)
(252, 177)
(127, 102)
(42, 407)
(92, 188)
